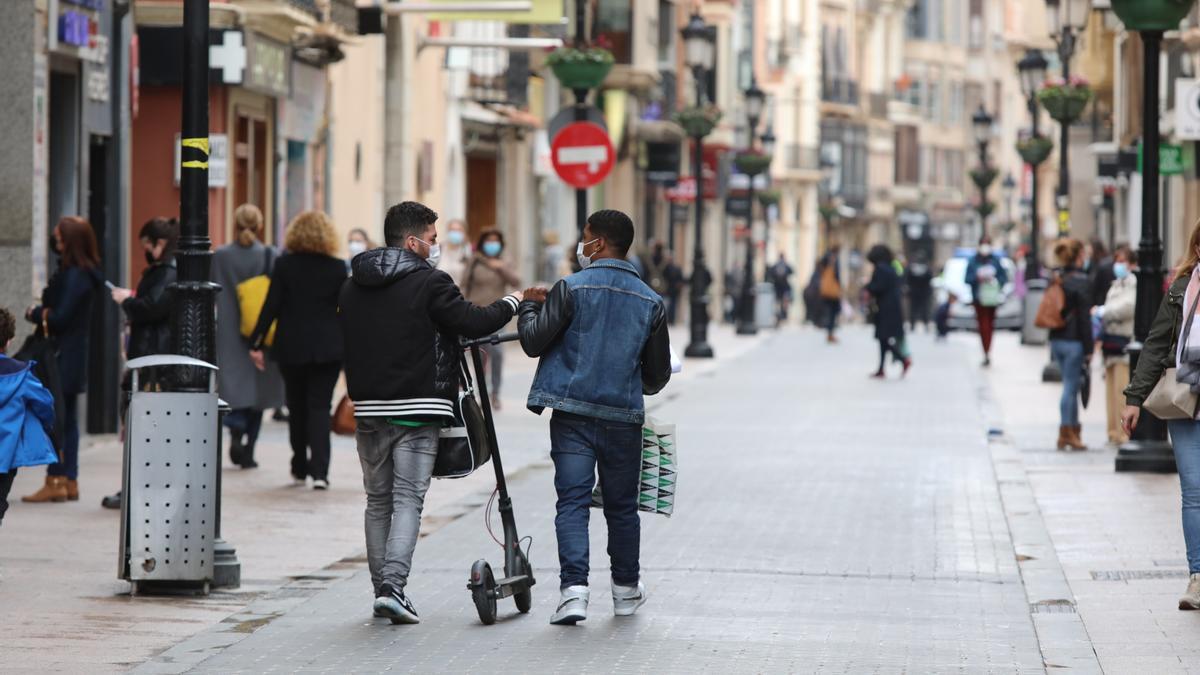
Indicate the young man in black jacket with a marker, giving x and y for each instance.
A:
(602, 338)
(401, 320)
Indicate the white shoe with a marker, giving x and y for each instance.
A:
(627, 599)
(572, 608)
(1191, 599)
(320, 484)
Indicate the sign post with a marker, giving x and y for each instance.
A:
(582, 154)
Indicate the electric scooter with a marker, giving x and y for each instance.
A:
(518, 573)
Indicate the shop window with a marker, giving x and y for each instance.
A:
(613, 24)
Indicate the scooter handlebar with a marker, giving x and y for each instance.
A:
(493, 339)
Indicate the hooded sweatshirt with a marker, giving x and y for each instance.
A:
(26, 417)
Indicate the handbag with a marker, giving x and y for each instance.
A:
(660, 469)
(1113, 345)
(343, 423)
(251, 296)
(830, 289)
(1171, 399)
(1049, 311)
(990, 294)
(463, 446)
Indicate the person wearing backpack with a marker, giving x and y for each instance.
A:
(829, 289)
(248, 390)
(987, 278)
(1071, 343)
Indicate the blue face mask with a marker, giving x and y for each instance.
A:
(492, 248)
(1120, 270)
(456, 237)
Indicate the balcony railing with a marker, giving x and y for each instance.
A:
(879, 105)
(839, 90)
(799, 157)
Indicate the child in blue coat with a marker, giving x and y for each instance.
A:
(26, 415)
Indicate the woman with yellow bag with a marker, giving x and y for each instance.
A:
(243, 270)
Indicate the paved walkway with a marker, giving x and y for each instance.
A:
(824, 523)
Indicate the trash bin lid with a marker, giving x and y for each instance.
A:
(167, 360)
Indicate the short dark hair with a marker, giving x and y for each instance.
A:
(488, 234)
(8, 327)
(615, 227)
(407, 219)
(162, 229)
(880, 255)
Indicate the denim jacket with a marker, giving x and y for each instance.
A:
(602, 338)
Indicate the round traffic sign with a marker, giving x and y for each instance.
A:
(582, 154)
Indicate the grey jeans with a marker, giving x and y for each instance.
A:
(397, 464)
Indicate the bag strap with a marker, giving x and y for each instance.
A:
(1187, 324)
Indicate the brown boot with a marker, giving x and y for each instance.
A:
(1064, 437)
(1077, 436)
(72, 490)
(55, 490)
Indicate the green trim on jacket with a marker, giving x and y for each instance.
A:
(1158, 352)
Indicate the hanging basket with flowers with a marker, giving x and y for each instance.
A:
(1065, 101)
(752, 162)
(583, 67)
(768, 197)
(1034, 149)
(983, 176)
(1151, 14)
(698, 120)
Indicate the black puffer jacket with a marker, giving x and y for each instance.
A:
(149, 312)
(401, 320)
(1077, 311)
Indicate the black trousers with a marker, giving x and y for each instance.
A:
(308, 389)
(6, 481)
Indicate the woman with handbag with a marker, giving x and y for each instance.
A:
(987, 278)
(248, 390)
(488, 278)
(829, 289)
(303, 298)
(1072, 344)
(1165, 383)
(65, 317)
(885, 289)
(1116, 317)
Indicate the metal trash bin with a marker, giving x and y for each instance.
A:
(1030, 333)
(170, 483)
(765, 314)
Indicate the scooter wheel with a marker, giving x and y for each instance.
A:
(483, 591)
(523, 598)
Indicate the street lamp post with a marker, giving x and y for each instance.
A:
(1008, 187)
(1032, 69)
(699, 53)
(828, 206)
(1067, 19)
(1148, 450)
(981, 122)
(767, 143)
(755, 99)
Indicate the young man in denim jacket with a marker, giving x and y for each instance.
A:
(602, 337)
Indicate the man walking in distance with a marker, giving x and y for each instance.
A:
(602, 338)
(402, 319)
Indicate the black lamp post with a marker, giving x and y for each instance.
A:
(1008, 187)
(755, 100)
(981, 123)
(1066, 19)
(1149, 450)
(767, 143)
(699, 43)
(1032, 69)
(828, 206)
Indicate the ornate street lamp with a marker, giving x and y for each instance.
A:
(1032, 69)
(699, 46)
(1066, 20)
(981, 123)
(1149, 450)
(767, 143)
(752, 165)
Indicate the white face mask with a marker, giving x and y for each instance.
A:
(584, 260)
(435, 252)
(356, 247)
(985, 250)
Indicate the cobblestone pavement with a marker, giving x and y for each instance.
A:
(824, 522)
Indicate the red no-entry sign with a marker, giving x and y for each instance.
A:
(582, 154)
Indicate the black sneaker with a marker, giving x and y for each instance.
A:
(112, 501)
(393, 604)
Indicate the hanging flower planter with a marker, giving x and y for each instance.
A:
(1065, 101)
(752, 162)
(768, 197)
(698, 121)
(983, 176)
(985, 209)
(1152, 14)
(1034, 150)
(583, 68)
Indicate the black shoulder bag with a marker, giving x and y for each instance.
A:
(463, 446)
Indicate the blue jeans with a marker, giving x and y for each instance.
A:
(1185, 437)
(579, 446)
(1068, 354)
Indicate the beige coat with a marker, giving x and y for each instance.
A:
(483, 285)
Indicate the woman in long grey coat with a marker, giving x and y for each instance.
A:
(246, 389)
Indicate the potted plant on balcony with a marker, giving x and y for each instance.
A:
(1151, 14)
(983, 176)
(1034, 149)
(1065, 101)
(581, 67)
(768, 197)
(752, 162)
(698, 120)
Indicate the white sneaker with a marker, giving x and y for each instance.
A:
(1191, 599)
(572, 607)
(627, 599)
(320, 484)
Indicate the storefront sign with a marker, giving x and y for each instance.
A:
(73, 26)
(300, 115)
(1187, 109)
(268, 66)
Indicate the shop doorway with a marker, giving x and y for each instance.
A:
(481, 195)
(104, 348)
(251, 162)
